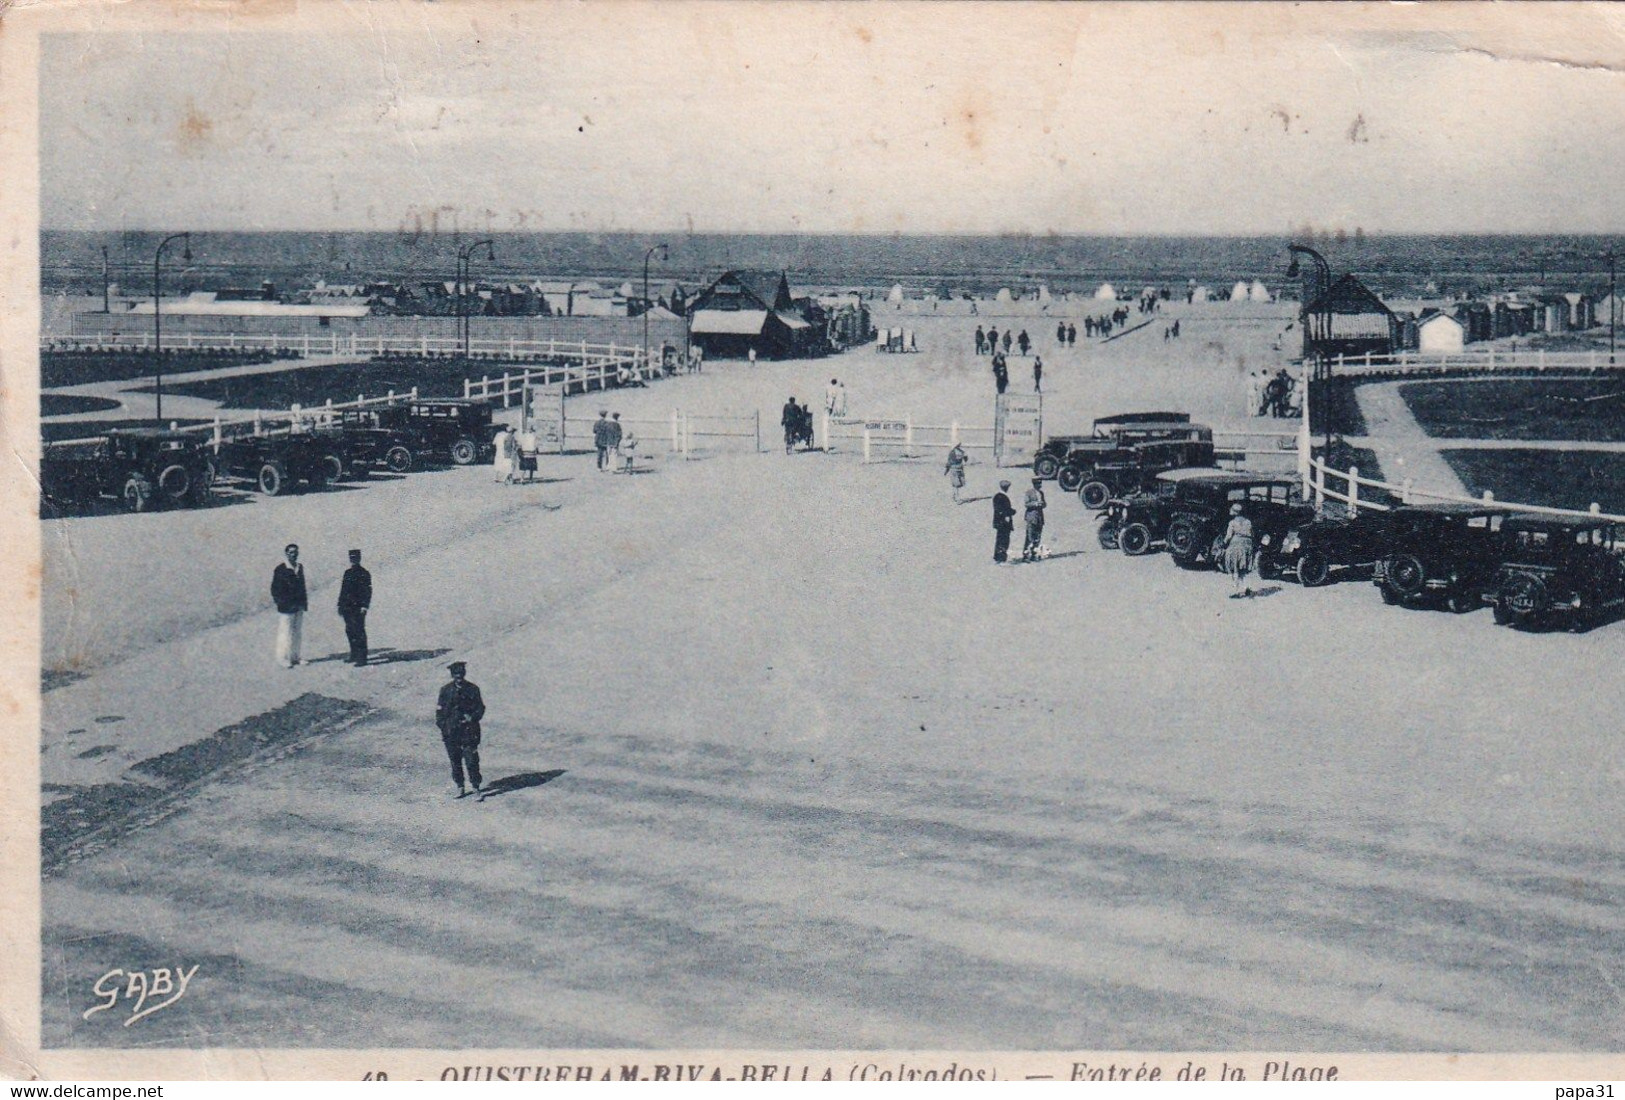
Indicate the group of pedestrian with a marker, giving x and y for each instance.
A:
(1271, 396)
(797, 422)
(1004, 522)
(516, 453)
(1170, 332)
(1066, 333)
(835, 399)
(291, 599)
(607, 438)
(992, 342)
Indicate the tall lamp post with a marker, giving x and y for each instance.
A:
(464, 256)
(665, 254)
(1613, 307)
(157, 315)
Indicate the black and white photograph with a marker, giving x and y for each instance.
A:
(885, 541)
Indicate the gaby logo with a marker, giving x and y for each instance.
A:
(142, 992)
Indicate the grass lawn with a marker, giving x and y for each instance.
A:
(1343, 456)
(1335, 401)
(1558, 479)
(57, 404)
(72, 368)
(1589, 409)
(342, 382)
(84, 429)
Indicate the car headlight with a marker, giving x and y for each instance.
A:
(1290, 543)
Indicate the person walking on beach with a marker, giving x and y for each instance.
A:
(981, 341)
(1255, 392)
(1060, 334)
(600, 438)
(1238, 551)
(955, 469)
(832, 396)
(1001, 372)
(1038, 374)
(355, 597)
(992, 340)
(1034, 505)
(458, 712)
(1004, 522)
(507, 451)
(288, 593)
(1007, 341)
(527, 452)
(790, 421)
(1024, 342)
(1071, 334)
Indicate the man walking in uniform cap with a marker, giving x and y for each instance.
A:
(1004, 522)
(458, 715)
(355, 596)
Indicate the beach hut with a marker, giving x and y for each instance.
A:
(1200, 294)
(1258, 292)
(1440, 334)
(1238, 293)
(896, 294)
(1106, 293)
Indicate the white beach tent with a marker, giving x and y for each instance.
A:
(1003, 296)
(1238, 293)
(1043, 294)
(1106, 293)
(1200, 294)
(1259, 292)
(896, 294)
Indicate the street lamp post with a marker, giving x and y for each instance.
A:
(665, 254)
(464, 256)
(157, 315)
(107, 297)
(1613, 307)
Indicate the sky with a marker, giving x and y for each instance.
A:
(749, 117)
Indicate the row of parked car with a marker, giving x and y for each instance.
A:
(147, 467)
(1531, 569)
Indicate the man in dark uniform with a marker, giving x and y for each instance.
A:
(1004, 521)
(355, 596)
(790, 419)
(1035, 521)
(458, 715)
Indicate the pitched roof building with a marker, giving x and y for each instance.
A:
(753, 310)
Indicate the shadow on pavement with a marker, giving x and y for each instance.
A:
(519, 782)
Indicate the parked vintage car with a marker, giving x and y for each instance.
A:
(1103, 435)
(1189, 509)
(441, 429)
(1326, 543)
(276, 463)
(1445, 552)
(1273, 502)
(1559, 569)
(137, 466)
(1134, 468)
(395, 450)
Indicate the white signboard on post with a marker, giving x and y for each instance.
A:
(544, 408)
(1018, 427)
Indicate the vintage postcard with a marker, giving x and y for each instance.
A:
(744, 541)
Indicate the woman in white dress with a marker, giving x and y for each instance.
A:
(506, 451)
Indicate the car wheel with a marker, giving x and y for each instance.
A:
(211, 474)
(272, 479)
(1389, 596)
(1107, 534)
(463, 452)
(1070, 479)
(1135, 539)
(1094, 495)
(1314, 569)
(1183, 538)
(1407, 575)
(329, 469)
(1459, 603)
(1045, 466)
(399, 459)
(1502, 615)
(137, 493)
(174, 482)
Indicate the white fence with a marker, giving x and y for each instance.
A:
(599, 367)
(354, 344)
(684, 433)
(1489, 360)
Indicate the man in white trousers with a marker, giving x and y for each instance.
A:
(288, 593)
